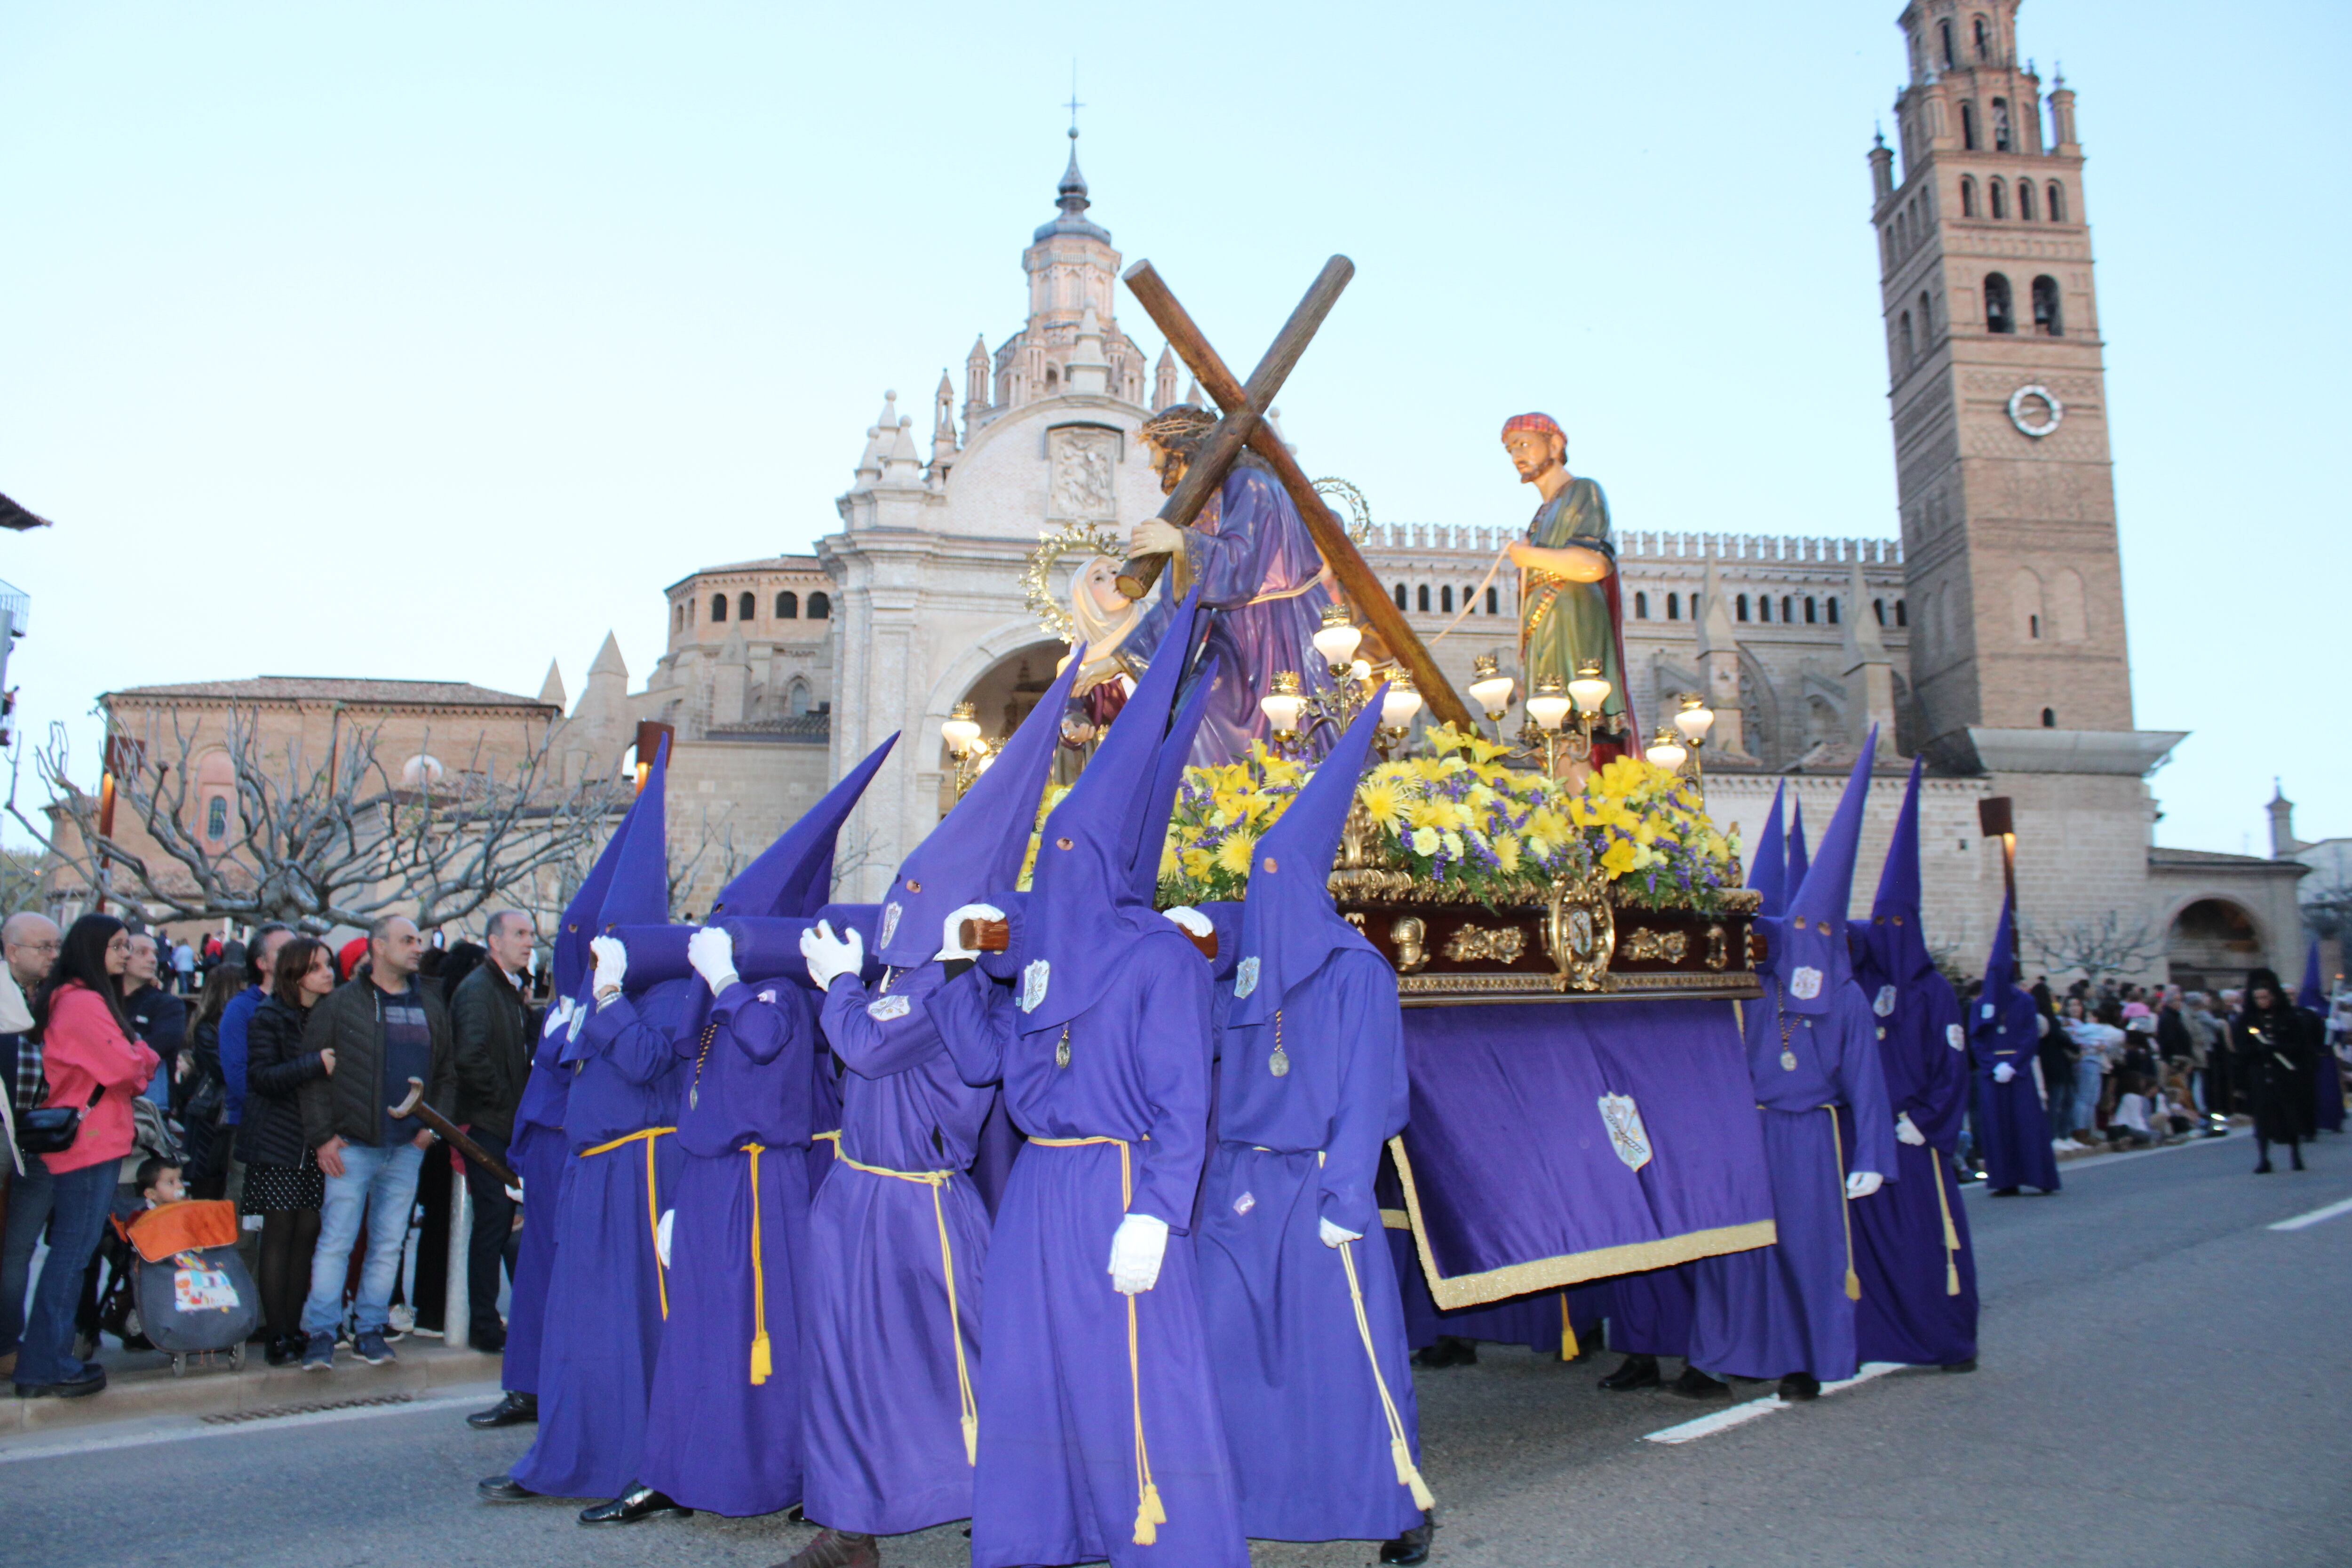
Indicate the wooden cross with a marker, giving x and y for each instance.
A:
(1244, 409)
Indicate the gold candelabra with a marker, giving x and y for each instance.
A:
(971, 751)
(1295, 713)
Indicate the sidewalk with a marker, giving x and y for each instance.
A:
(140, 1384)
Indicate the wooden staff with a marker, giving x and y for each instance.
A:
(1355, 579)
(1208, 467)
(414, 1105)
(995, 936)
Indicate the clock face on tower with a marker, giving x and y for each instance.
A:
(2035, 411)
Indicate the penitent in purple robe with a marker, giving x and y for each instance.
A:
(890, 1343)
(1783, 1309)
(603, 1324)
(1304, 1418)
(722, 1427)
(1260, 585)
(539, 1153)
(1650, 1312)
(2005, 1030)
(1058, 1475)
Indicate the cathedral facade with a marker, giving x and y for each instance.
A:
(1987, 635)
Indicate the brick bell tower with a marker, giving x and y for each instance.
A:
(1998, 392)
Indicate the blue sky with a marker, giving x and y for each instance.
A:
(435, 340)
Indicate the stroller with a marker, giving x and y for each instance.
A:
(192, 1292)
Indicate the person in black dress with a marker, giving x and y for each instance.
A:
(282, 1181)
(2276, 1067)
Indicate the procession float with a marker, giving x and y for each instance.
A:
(1569, 929)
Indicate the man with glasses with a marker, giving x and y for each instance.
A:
(30, 943)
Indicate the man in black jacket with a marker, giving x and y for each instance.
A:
(384, 1029)
(489, 1026)
(160, 1018)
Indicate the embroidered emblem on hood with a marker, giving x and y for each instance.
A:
(1627, 1136)
(1956, 1038)
(1884, 1004)
(1034, 981)
(1246, 976)
(1806, 983)
(889, 924)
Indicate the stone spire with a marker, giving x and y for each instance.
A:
(1163, 380)
(551, 690)
(977, 393)
(1869, 673)
(1719, 663)
(902, 467)
(943, 431)
(879, 437)
(1086, 369)
(1070, 196)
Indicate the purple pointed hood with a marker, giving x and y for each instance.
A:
(2002, 1003)
(2311, 995)
(793, 876)
(1167, 777)
(636, 889)
(1808, 953)
(571, 961)
(1767, 868)
(978, 847)
(1897, 944)
(1083, 909)
(1800, 860)
(1290, 925)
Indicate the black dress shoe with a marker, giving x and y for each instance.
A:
(2264, 1169)
(1695, 1384)
(503, 1488)
(2004, 1192)
(1412, 1546)
(1968, 1365)
(513, 1410)
(1801, 1386)
(281, 1349)
(1634, 1371)
(637, 1503)
(489, 1344)
(92, 1380)
(1449, 1350)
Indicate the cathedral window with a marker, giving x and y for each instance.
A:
(1422, 594)
(1641, 606)
(788, 605)
(747, 607)
(1764, 606)
(1968, 197)
(2050, 718)
(718, 608)
(1902, 617)
(2000, 125)
(1833, 611)
(1998, 315)
(217, 819)
(1788, 603)
(1968, 127)
(2057, 205)
(2046, 319)
(1997, 198)
(1983, 40)
(1878, 608)
(1401, 604)
(1494, 601)
(1908, 351)
(1742, 607)
(1927, 321)
(677, 617)
(820, 608)
(2025, 201)
(1673, 606)
(1944, 38)
(1693, 606)
(1445, 598)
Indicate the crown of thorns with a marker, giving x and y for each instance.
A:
(1180, 427)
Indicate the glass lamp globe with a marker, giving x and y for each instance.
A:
(1694, 719)
(1282, 701)
(961, 728)
(1491, 688)
(1403, 701)
(1548, 705)
(1337, 638)
(1589, 690)
(1666, 750)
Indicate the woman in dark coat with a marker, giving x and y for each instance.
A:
(282, 1181)
(2271, 1041)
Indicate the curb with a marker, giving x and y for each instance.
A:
(151, 1390)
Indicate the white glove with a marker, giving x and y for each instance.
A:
(1905, 1132)
(1135, 1253)
(712, 953)
(661, 1236)
(612, 962)
(1192, 921)
(1334, 1236)
(557, 1017)
(514, 1193)
(2004, 1073)
(830, 957)
(1862, 1183)
(952, 931)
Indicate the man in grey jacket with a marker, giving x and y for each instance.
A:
(384, 1028)
(489, 1025)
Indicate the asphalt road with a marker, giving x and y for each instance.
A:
(2164, 1380)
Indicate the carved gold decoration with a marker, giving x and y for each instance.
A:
(1645, 944)
(1477, 945)
(1580, 931)
(1408, 934)
(1719, 947)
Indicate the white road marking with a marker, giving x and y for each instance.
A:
(1740, 1414)
(2315, 1217)
(192, 1428)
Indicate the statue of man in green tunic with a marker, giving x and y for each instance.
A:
(1570, 610)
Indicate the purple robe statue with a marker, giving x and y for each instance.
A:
(2328, 1073)
(1787, 1310)
(1911, 1238)
(2005, 1033)
(1099, 1433)
(1305, 1327)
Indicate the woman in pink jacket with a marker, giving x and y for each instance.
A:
(94, 1061)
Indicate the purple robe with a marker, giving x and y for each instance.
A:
(2012, 1130)
(719, 1435)
(1259, 577)
(883, 1419)
(1783, 1309)
(603, 1320)
(1057, 1479)
(1918, 1294)
(539, 1154)
(1650, 1312)
(1305, 1422)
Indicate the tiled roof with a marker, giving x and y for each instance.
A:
(331, 689)
(2161, 855)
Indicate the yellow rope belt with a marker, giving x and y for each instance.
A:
(1952, 1232)
(833, 1138)
(968, 1407)
(763, 1360)
(1845, 1214)
(1407, 1474)
(1148, 1513)
(653, 1200)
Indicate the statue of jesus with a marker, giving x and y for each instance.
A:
(1570, 610)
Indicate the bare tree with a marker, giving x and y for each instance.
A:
(2097, 949)
(317, 844)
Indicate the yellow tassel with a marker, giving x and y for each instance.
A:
(1952, 1279)
(1568, 1348)
(1409, 1475)
(1853, 1286)
(763, 1362)
(1149, 1517)
(971, 1439)
(1151, 1503)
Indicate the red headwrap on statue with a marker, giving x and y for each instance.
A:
(1543, 422)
